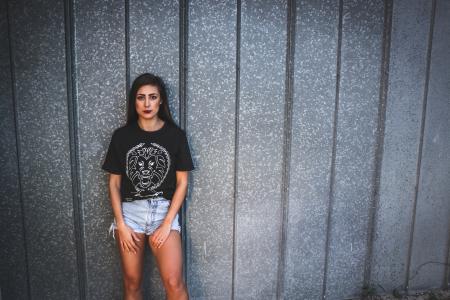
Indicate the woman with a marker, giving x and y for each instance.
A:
(148, 160)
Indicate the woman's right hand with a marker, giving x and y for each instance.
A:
(127, 238)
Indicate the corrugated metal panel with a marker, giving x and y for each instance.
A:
(282, 204)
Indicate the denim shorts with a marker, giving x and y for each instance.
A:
(145, 216)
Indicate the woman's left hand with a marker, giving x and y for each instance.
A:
(160, 235)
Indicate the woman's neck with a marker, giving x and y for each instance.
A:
(150, 125)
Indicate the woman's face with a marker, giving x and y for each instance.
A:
(148, 101)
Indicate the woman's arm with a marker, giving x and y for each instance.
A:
(178, 196)
(177, 200)
(114, 196)
(126, 234)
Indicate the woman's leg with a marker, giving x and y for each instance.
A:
(169, 259)
(132, 264)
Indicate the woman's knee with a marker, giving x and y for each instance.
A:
(174, 283)
(132, 282)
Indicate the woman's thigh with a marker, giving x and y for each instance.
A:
(132, 263)
(169, 257)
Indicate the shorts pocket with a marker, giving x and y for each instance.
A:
(167, 202)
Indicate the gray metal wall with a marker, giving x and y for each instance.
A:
(319, 131)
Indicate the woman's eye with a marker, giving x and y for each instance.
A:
(140, 98)
(154, 97)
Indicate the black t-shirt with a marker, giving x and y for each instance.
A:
(147, 160)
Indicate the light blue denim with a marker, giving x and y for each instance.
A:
(145, 216)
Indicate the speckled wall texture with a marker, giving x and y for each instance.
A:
(319, 131)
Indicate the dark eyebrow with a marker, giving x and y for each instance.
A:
(148, 94)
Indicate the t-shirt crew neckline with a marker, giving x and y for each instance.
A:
(150, 132)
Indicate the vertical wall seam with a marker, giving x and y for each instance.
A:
(333, 154)
(16, 129)
(127, 47)
(182, 69)
(445, 284)
(72, 105)
(422, 131)
(183, 61)
(289, 84)
(384, 85)
(236, 144)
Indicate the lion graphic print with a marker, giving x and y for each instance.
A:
(147, 167)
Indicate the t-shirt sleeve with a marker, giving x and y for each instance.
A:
(112, 163)
(184, 159)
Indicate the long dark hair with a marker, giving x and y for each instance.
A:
(149, 79)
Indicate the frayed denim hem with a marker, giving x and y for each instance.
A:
(111, 229)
